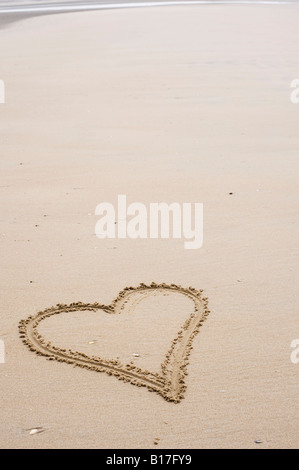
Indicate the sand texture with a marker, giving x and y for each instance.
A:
(179, 104)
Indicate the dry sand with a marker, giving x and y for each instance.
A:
(184, 104)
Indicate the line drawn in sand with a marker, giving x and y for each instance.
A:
(169, 383)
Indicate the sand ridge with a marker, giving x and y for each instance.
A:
(169, 383)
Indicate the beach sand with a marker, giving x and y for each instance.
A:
(178, 104)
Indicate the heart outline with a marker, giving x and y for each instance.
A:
(170, 384)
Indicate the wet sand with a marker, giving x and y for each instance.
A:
(181, 104)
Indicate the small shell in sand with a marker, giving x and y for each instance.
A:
(35, 431)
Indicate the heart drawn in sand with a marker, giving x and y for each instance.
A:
(169, 383)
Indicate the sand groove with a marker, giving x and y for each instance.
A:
(170, 383)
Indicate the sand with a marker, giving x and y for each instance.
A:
(178, 104)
